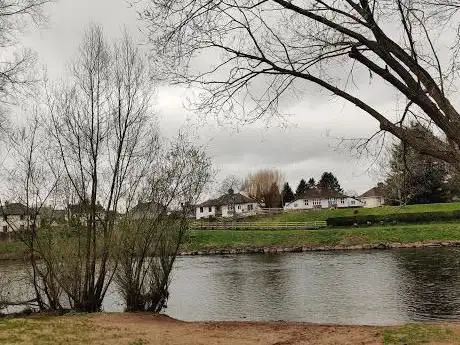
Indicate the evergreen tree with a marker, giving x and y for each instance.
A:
(329, 182)
(415, 178)
(273, 198)
(311, 183)
(287, 193)
(301, 188)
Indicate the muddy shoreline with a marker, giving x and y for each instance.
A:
(306, 248)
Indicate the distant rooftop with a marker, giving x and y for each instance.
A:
(227, 199)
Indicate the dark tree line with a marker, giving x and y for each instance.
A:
(415, 178)
(328, 181)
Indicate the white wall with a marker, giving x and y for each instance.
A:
(13, 223)
(241, 209)
(374, 201)
(208, 211)
(309, 204)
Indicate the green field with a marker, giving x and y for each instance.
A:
(229, 239)
(304, 216)
(216, 239)
(403, 233)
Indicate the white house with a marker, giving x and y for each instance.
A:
(223, 206)
(15, 217)
(321, 199)
(373, 197)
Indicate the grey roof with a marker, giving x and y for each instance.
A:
(15, 208)
(228, 199)
(84, 207)
(317, 193)
(150, 206)
(373, 192)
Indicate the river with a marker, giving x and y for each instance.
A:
(350, 287)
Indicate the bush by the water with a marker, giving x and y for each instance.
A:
(371, 219)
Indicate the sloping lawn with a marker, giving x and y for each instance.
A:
(304, 216)
(214, 239)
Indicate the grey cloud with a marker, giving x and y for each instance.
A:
(305, 148)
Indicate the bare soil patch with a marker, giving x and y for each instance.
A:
(147, 329)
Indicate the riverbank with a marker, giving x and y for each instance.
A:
(204, 242)
(212, 242)
(144, 329)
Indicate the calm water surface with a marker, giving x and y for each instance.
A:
(375, 287)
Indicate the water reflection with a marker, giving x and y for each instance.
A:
(376, 287)
(431, 281)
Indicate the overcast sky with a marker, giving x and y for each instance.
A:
(304, 147)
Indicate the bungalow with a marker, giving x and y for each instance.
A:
(149, 210)
(374, 197)
(15, 217)
(223, 206)
(319, 199)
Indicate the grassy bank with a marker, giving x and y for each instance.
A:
(205, 239)
(305, 216)
(12, 250)
(143, 329)
(227, 239)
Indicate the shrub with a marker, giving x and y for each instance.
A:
(423, 217)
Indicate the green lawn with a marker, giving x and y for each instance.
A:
(11, 250)
(219, 239)
(299, 216)
(211, 239)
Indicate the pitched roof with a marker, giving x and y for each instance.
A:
(376, 191)
(84, 207)
(227, 199)
(151, 206)
(317, 193)
(15, 208)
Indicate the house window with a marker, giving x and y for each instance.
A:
(21, 227)
(230, 207)
(239, 207)
(342, 201)
(305, 202)
(210, 209)
(352, 202)
(201, 209)
(250, 207)
(5, 228)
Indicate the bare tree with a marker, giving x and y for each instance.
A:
(33, 179)
(16, 66)
(101, 131)
(266, 49)
(151, 232)
(264, 186)
(230, 182)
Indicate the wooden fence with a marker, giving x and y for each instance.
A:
(313, 225)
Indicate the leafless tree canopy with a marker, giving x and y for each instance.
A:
(15, 66)
(264, 186)
(264, 49)
(230, 182)
(92, 150)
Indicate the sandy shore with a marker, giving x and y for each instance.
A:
(172, 332)
(145, 329)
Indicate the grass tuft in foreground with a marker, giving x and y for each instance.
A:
(418, 334)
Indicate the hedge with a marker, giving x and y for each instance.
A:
(423, 217)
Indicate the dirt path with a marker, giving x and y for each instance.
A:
(167, 331)
(146, 329)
